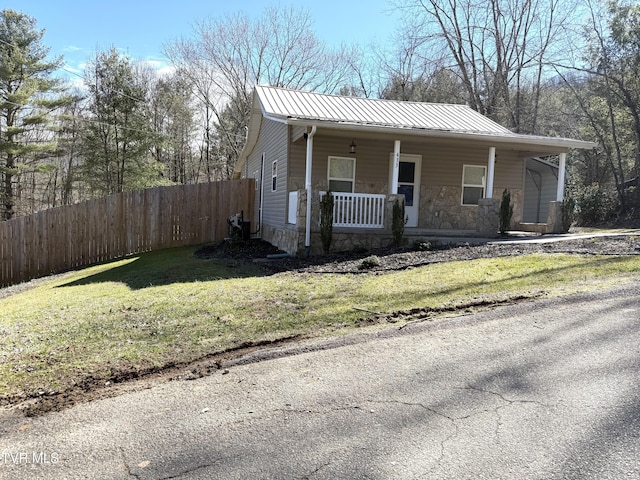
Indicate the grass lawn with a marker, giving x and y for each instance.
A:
(168, 307)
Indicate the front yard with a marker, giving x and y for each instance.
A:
(85, 331)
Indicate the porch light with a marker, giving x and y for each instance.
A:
(352, 147)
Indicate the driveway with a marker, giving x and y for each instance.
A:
(540, 390)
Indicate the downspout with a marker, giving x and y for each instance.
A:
(491, 172)
(261, 194)
(307, 184)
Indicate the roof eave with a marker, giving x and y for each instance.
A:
(513, 139)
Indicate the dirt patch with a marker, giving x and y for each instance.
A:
(128, 380)
(370, 262)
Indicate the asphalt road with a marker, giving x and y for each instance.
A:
(543, 390)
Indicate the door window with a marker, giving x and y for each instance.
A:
(406, 176)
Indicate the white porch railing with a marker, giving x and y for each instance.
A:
(358, 210)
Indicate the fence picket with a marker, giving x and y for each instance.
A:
(107, 228)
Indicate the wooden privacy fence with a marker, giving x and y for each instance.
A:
(123, 224)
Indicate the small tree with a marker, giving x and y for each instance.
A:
(397, 222)
(326, 221)
(568, 213)
(506, 211)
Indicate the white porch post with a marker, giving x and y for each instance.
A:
(396, 167)
(561, 175)
(307, 185)
(491, 172)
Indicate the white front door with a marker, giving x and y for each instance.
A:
(409, 185)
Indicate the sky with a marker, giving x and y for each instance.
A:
(77, 29)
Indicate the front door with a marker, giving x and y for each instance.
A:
(409, 185)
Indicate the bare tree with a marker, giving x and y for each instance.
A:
(172, 109)
(609, 93)
(499, 50)
(226, 58)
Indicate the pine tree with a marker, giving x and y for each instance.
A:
(119, 136)
(28, 97)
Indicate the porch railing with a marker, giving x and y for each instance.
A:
(358, 210)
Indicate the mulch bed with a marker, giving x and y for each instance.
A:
(392, 259)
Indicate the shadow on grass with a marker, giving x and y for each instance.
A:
(170, 266)
(542, 279)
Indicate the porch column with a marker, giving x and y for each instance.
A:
(561, 174)
(396, 167)
(491, 172)
(307, 185)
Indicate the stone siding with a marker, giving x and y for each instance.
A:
(488, 217)
(286, 239)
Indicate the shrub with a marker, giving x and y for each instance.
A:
(593, 204)
(506, 211)
(397, 222)
(326, 221)
(369, 262)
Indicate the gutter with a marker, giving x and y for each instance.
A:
(506, 138)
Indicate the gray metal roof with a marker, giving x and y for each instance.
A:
(444, 121)
(290, 105)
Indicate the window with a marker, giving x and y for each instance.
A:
(473, 182)
(274, 176)
(406, 181)
(342, 174)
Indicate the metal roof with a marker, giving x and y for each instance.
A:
(445, 121)
(290, 105)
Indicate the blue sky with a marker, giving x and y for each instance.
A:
(79, 28)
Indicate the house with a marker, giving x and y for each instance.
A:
(449, 163)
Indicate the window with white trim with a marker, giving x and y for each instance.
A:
(341, 174)
(473, 183)
(274, 176)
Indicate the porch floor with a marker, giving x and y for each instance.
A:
(462, 236)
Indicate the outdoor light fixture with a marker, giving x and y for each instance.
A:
(352, 147)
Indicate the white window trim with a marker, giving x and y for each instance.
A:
(484, 184)
(339, 179)
(274, 175)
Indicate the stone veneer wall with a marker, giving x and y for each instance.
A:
(554, 220)
(488, 217)
(441, 208)
(286, 239)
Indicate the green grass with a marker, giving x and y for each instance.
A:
(169, 307)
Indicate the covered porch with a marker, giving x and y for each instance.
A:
(363, 214)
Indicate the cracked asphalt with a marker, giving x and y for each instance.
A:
(540, 390)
